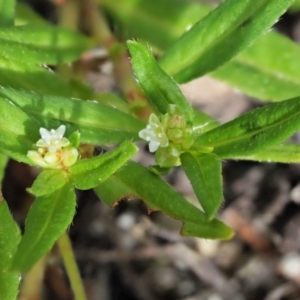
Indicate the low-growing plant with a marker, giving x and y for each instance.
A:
(49, 118)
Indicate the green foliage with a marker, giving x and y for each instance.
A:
(24, 47)
(88, 173)
(7, 10)
(203, 122)
(18, 131)
(159, 196)
(25, 15)
(295, 7)
(285, 153)
(43, 44)
(97, 123)
(167, 19)
(3, 162)
(270, 69)
(47, 182)
(255, 131)
(160, 89)
(48, 218)
(204, 172)
(272, 75)
(221, 35)
(9, 239)
(37, 108)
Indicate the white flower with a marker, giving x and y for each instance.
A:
(154, 133)
(54, 151)
(53, 139)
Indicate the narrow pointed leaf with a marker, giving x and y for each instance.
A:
(204, 173)
(203, 122)
(9, 239)
(220, 36)
(160, 89)
(7, 12)
(135, 181)
(114, 101)
(18, 131)
(255, 131)
(269, 69)
(160, 22)
(285, 153)
(48, 181)
(3, 163)
(23, 75)
(42, 44)
(26, 15)
(48, 218)
(97, 123)
(88, 173)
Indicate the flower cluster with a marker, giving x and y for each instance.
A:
(168, 136)
(154, 133)
(54, 151)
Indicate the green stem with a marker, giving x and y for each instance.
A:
(68, 14)
(65, 248)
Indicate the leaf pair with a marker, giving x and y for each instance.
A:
(203, 170)
(158, 195)
(268, 69)
(24, 49)
(218, 37)
(54, 208)
(249, 134)
(24, 113)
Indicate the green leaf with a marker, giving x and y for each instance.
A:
(48, 218)
(7, 12)
(270, 69)
(88, 173)
(80, 89)
(3, 163)
(263, 72)
(160, 89)
(26, 15)
(220, 36)
(135, 181)
(285, 153)
(24, 48)
(203, 122)
(295, 7)
(114, 101)
(18, 131)
(97, 123)
(159, 21)
(28, 76)
(204, 173)
(42, 44)
(47, 182)
(74, 139)
(9, 239)
(156, 169)
(255, 131)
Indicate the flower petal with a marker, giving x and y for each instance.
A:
(45, 134)
(145, 134)
(60, 131)
(153, 145)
